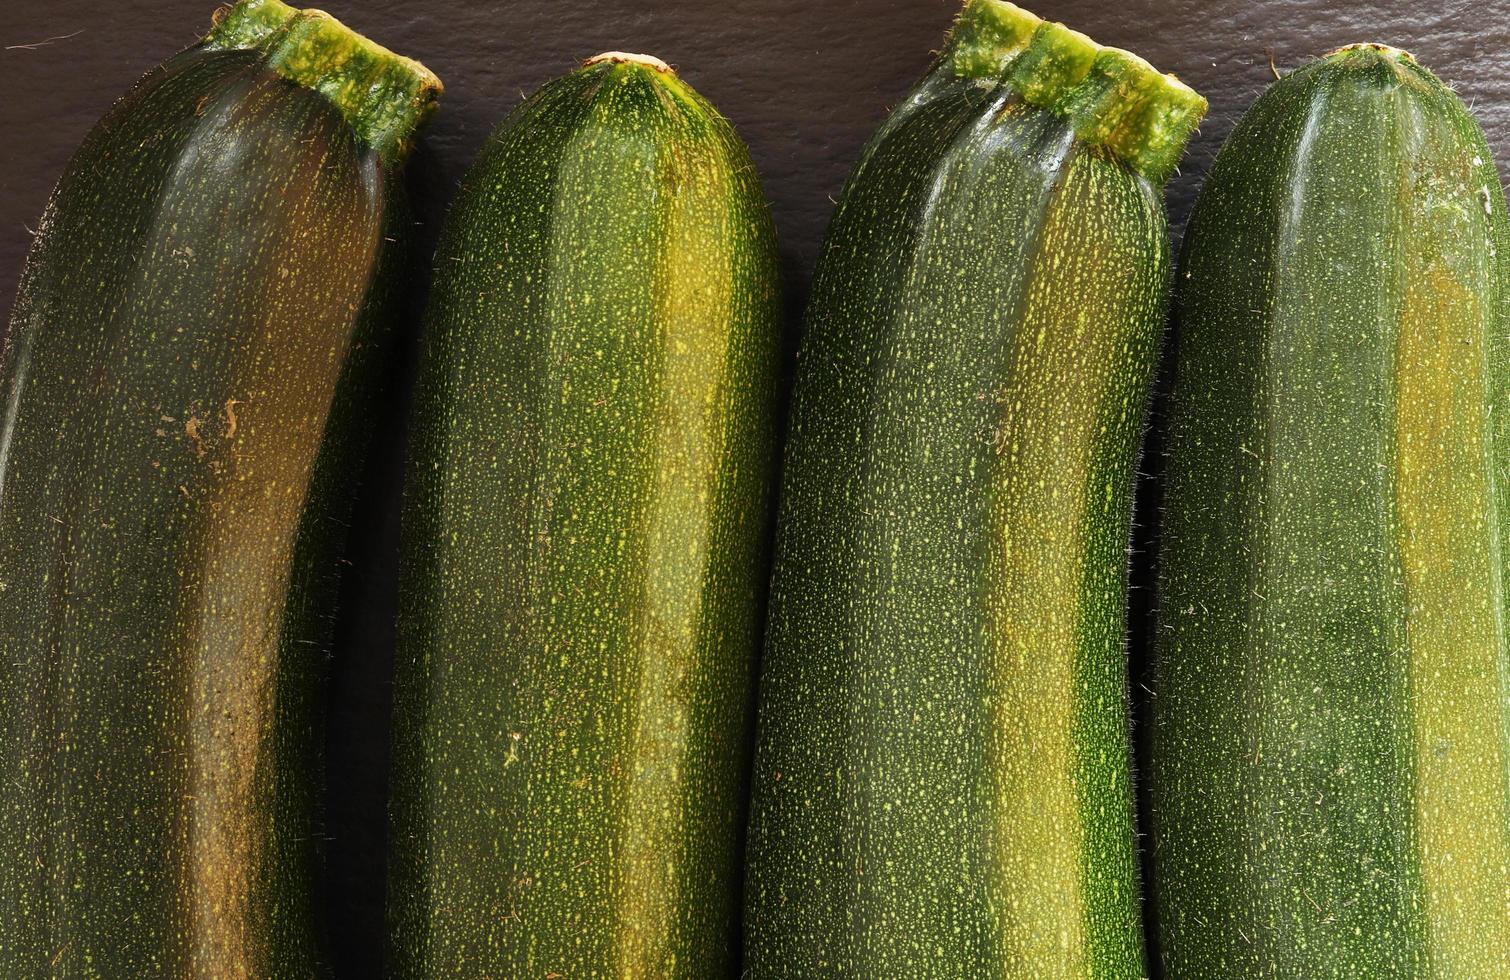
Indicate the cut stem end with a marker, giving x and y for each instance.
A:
(1388, 51)
(624, 57)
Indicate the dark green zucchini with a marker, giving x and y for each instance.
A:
(1329, 770)
(585, 544)
(200, 321)
(942, 784)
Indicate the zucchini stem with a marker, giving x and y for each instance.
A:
(1110, 97)
(383, 96)
(624, 57)
(1385, 50)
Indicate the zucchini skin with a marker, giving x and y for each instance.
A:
(942, 781)
(1328, 773)
(585, 545)
(198, 329)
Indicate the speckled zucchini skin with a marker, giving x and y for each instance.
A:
(200, 322)
(942, 783)
(585, 545)
(1329, 774)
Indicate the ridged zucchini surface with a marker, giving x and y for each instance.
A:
(196, 331)
(585, 544)
(1329, 764)
(942, 782)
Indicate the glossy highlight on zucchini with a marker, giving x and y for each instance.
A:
(1329, 769)
(942, 781)
(196, 335)
(585, 544)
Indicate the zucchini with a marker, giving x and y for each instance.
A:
(200, 321)
(585, 544)
(1329, 770)
(942, 781)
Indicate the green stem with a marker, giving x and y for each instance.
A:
(383, 96)
(1111, 98)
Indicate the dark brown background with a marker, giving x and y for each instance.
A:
(804, 81)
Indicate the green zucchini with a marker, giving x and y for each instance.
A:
(585, 544)
(200, 319)
(1329, 768)
(942, 781)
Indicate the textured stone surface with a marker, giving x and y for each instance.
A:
(804, 82)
